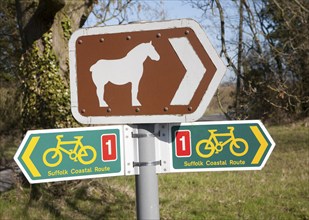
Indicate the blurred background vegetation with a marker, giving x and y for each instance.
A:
(267, 54)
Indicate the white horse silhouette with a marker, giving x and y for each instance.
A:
(121, 71)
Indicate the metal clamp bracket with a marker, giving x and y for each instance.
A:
(137, 135)
(144, 164)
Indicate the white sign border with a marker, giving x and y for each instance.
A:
(167, 154)
(134, 119)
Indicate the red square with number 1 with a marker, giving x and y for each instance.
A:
(183, 143)
(109, 147)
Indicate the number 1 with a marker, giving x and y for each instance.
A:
(109, 147)
(183, 143)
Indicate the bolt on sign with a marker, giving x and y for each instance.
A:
(142, 73)
(215, 146)
(73, 153)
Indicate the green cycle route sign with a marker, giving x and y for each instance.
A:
(216, 146)
(73, 153)
(80, 153)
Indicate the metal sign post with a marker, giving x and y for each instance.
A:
(147, 196)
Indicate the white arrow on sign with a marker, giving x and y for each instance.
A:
(195, 70)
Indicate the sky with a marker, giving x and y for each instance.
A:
(177, 9)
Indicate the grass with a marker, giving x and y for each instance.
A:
(224, 95)
(279, 191)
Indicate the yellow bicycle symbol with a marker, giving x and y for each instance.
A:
(212, 145)
(52, 157)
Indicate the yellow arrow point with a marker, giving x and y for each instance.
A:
(263, 144)
(26, 156)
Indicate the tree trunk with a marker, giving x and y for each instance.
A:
(239, 59)
(45, 27)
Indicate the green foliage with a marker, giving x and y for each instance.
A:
(46, 102)
(66, 28)
(276, 80)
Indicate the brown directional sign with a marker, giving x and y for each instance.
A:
(142, 73)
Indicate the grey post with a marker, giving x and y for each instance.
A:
(147, 196)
